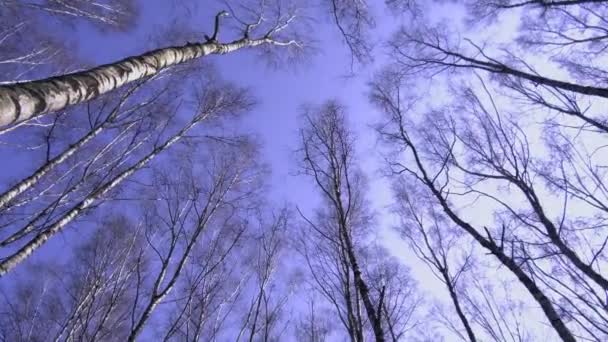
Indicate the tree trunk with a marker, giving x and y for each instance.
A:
(24, 252)
(546, 4)
(360, 284)
(457, 306)
(22, 101)
(30, 181)
(499, 68)
(543, 301)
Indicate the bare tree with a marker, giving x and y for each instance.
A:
(22, 101)
(269, 292)
(328, 152)
(179, 254)
(86, 300)
(110, 168)
(433, 173)
(197, 209)
(313, 326)
(510, 128)
(433, 242)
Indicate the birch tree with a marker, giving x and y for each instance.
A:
(177, 253)
(22, 101)
(86, 300)
(388, 93)
(108, 168)
(196, 224)
(451, 157)
(263, 314)
(327, 148)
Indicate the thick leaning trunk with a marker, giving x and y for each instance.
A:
(550, 3)
(499, 68)
(556, 239)
(543, 301)
(24, 252)
(22, 101)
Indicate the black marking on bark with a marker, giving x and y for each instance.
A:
(75, 86)
(92, 85)
(40, 104)
(57, 89)
(14, 99)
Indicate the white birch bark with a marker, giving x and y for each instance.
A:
(25, 100)
(24, 252)
(31, 180)
(43, 170)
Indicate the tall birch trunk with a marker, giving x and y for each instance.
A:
(22, 101)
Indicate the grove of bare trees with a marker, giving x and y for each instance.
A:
(295, 170)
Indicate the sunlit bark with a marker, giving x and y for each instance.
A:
(22, 101)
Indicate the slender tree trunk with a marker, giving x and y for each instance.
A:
(30, 181)
(329, 137)
(458, 307)
(23, 101)
(391, 328)
(360, 284)
(363, 289)
(24, 252)
(81, 303)
(256, 314)
(157, 297)
(354, 332)
(145, 316)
